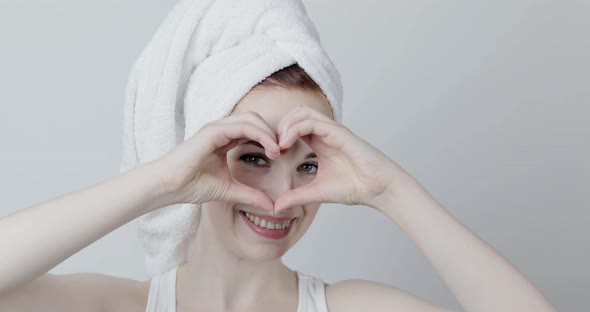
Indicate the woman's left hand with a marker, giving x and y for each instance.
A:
(350, 170)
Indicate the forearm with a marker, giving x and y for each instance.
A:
(480, 278)
(36, 239)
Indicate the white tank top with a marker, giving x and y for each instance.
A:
(162, 294)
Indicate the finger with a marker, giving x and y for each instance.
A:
(304, 195)
(241, 193)
(230, 146)
(306, 127)
(299, 114)
(306, 139)
(254, 118)
(234, 143)
(223, 134)
(272, 152)
(249, 116)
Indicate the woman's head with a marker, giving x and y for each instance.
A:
(272, 99)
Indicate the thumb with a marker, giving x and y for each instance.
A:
(241, 193)
(300, 196)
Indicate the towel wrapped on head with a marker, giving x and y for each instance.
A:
(204, 57)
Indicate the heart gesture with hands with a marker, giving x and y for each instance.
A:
(196, 170)
(350, 170)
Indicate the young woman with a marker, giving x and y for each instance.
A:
(276, 157)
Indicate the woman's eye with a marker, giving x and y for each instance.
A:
(310, 166)
(252, 159)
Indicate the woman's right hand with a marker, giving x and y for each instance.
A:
(196, 171)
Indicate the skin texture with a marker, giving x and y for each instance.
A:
(232, 266)
(353, 172)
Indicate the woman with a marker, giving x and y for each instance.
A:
(263, 159)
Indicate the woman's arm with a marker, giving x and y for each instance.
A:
(353, 172)
(36, 239)
(480, 278)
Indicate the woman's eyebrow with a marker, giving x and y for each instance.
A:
(252, 142)
(311, 155)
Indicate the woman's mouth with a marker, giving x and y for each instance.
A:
(267, 228)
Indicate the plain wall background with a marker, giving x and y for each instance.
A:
(486, 104)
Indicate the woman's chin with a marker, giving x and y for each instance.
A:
(261, 249)
(264, 253)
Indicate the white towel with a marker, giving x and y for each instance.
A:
(204, 57)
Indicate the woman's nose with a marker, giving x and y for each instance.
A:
(278, 182)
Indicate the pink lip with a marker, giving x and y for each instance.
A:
(273, 234)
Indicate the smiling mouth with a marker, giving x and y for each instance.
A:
(263, 223)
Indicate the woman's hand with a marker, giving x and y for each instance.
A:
(350, 170)
(196, 171)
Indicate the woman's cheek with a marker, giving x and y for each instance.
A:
(245, 174)
(303, 179)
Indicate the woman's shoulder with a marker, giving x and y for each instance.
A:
(135, 298)
(124, 294)
(358, 295)
(83, 291)
(130, 295)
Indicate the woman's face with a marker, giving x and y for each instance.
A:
(249, 165)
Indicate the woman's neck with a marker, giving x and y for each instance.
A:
(215, 279)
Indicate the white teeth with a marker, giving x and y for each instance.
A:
(267, 224)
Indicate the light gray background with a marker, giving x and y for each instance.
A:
(486, 104)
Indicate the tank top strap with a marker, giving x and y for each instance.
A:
(312, 296)
(162, 293)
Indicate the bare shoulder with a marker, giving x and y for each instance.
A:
(125, 294)
(114, 292)
(77, 292)
(359, 295)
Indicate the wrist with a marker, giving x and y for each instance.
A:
(383, 200)
(390, 200)
(157, 193)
